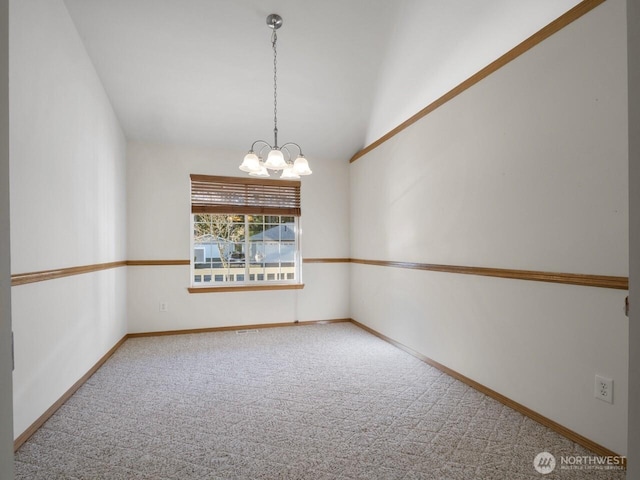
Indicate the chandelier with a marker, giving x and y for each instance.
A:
(278, 157)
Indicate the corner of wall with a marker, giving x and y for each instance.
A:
(6, 361)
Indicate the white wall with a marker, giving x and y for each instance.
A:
(158, 226)
(525, 170)
(68, 196)
(6, 400)
(419, 67)
(633, 55)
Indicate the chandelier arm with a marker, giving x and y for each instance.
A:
(264, 144)
(292, 143)
(262, 149)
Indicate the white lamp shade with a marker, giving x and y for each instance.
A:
(301, 166)
(251, 163)
(289, 173)
(275, 160)
(260, 173)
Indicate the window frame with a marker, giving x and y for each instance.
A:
(265, 208)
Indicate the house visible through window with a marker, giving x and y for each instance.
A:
(245, 231)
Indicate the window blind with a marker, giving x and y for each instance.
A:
(212, 194)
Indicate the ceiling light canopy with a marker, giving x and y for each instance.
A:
(279, 158)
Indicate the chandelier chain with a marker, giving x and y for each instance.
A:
(274, 39)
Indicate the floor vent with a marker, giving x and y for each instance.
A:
(245, 332)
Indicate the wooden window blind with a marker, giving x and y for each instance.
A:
(211, 194)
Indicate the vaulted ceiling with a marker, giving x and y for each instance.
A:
(199, 72)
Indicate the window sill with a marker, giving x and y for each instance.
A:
(247, 288)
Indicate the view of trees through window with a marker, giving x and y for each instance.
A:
(244, 248)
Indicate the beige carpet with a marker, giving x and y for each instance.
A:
(306, 402)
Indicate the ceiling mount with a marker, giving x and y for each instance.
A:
(274, 21)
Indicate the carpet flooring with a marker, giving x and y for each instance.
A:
(302, 402)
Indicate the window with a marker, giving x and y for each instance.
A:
(245, 232)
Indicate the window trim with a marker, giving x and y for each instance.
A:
(240, 186)
(246, 288)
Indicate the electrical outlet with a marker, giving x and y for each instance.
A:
(164, 307)
(604, 389)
